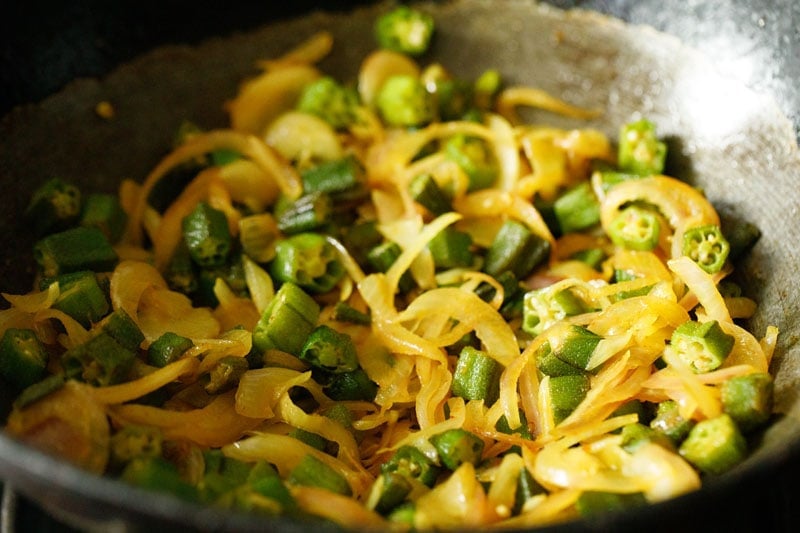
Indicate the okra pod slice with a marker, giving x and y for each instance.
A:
(54, 206)
(593, 257)
(427, 193)
(275, 489)
(457, 446)
(577, 209)
(124, 330)
(517, 249)
(410, 462)
(593, 503)
(475, 376)
(527, 488)
(100, 361)
(74, 250)
(167, 349)
(566, 393)
(403, 102)
(312, 439)
(541, 307)
(81, 297)
(207, 236)
(382, 257)
(134, 442)
(703, 346)
(748, 399)
(405, 30)
(39, 390)
(181, 272)
(714, 445)
(549, 364)
(22, 357)
(307, 213)
(640, 152)
(310, 471)
(706, 246)
(156, 473)
(104, 212)
(351, 386)
(636, 435)
(344, 312)
(329, 100)
(576, 346)
(635, 228)
(669, 421)
(287, 321)
(309, 261)
(388, 491)
(450, 248)
(330, 350)
(474, 158)
(334, 177)
(226, 374)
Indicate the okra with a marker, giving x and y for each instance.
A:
(566, 393)
(669, 422)
(330, 101)
(542, 307)
(156, 473)
(388, 491)
(403, 102)
(330, 350)
(124, 330)
(334, 177)
(181, 272)
(549, 364)
(527, 488)
(381, 257)
(748, 399)
(54, 206)
(309, 261)
(474, 158)
(81, 297)
(74, 250)
(207, 236)
(594, 503)
(577, 209)
(457, 446)
(344, 312)
(636, 435)
(517, 249)
(576, 346)
(308, 213)
(640, 152)
(310, 471)
(593, 257)
(486, 87)
(132, 442)
(706, 246)
(714, 445)
(703, 346)
(39, 390)
(104, 212)
(351, 386)
(287, 321)
(635, 228)
(410, 462)
(23, 357)
(307, 437)
(405, 30)
(450, 248)
(475, 376)
(167, 349)
(99, 361)
(226, 374)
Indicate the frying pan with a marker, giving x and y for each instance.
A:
(721, 83)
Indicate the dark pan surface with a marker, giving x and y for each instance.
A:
(732, 126)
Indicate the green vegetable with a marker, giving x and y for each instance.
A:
(206, 234)
(167, 349)
(388, 491)
(549, 364)
(457, 446)
(527, 488)
(351, 386)
(410, 462)
(635, 228)
(486, 88)
(54, 206)
(450, 248)
(576, 346)
(427, 193)
(714, 445)
(104, 212)
(640, 151)
(706, 246)
(748, 399)
(329, 350)
(226, 374)
(566, 393)
(342, 179)
(287, 321)
(403, 102)
(135, 442)
(383, 256)
(330, 101)
(543, 307)
(123, 329)
(81, 297)
(39, 390)
(577, 209)
(668, 421)
(23, 358)
(703, 346)
(99, 361)
(475, 376)
(307, 213)
(309, 261)
(181, 273)
(405, 30)
(156, 473)
(474, 158)
(310, 471)
(517, 249)
(636, 435)
(403, 514)
(74, 250)
(593, 257)
(593, 503)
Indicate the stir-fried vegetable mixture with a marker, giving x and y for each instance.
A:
(388, 301)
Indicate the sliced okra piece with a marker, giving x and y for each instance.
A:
(99, 361)
(309, 261)
(81, 297)
(635, 228)
(330, 350)
(457, 446)
(124, 330)
(517, 249)
(593, 503)
(104, 212)
(706, 246)
(387, 492)
(310, 471)
(714, 445)
(640, 151)
(577, 209)
(427, 193)
(156, 473)
(354, 385)
(74, 250)
(669, 421)
(167, 349)
(451, 248)
(475, 376)
(207, 235)
(748, 399)
(54, 206)
(410, 462)
(287, 320)
(23, 358)
(566, 393)
(703, 346)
